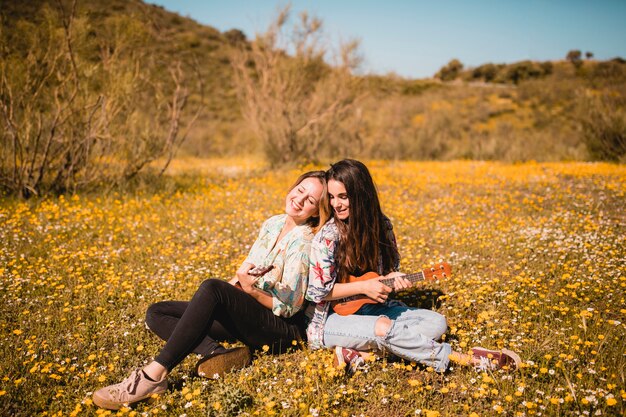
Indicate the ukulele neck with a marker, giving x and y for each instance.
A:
(413, 278)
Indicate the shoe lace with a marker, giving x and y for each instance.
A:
(354, 360)
(121, 391)
(357, 362)
(132, 386)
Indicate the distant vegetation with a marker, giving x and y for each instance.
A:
(299, 107)
(98, 92)
(579, 104)
(93, 93)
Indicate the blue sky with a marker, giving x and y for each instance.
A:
(416, 38)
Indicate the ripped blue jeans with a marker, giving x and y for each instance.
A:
(412, 336)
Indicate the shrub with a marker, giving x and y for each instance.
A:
(609, 70)
(81, 105)
(235, 36)
(450, 71)
(547, 67)
(225, 400)
(523, 71)
(604, 127)
(486, 72)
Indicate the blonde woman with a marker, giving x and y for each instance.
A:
(261, 305)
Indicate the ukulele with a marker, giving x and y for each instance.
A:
(349, 305)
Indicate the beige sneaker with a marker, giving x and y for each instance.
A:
(222, 361)
(131, 390)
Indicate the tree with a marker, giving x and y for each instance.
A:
(588, 54)
(575, 57)
(293, 99)
(450, 71)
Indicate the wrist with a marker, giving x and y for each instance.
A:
(360, 287)
(248, 288)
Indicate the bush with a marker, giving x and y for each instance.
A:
(604, 127)
(235, 36)
(523, 71)
(82, 105)
(486, 72)
(225, 400)
(547, 67)
(450, 71)
(609, 70)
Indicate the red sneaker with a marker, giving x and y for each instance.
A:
(349, 358)
(488, 359)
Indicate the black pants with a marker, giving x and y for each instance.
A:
(218, 311)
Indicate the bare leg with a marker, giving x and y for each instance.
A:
(155, 371)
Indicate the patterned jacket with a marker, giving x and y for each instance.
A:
(287, 282)
(323, 275)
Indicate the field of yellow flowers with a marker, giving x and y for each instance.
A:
(539, 257)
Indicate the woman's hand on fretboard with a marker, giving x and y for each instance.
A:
(397, 281)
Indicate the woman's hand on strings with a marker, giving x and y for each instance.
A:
(376, 290)
(399, 282)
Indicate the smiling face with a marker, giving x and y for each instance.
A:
(302, 202)
(339, 200)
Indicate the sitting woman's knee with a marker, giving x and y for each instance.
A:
(440, 326)
(152, 314)
(211, 283)
(383, 324)
(214, 289)
(443, 322)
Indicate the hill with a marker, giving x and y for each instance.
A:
(543, 111)
(520, 111)
(167, 37)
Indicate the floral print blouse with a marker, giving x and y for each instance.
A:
(323, 275)
(287, 282)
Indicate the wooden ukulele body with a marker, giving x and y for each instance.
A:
(350, 305)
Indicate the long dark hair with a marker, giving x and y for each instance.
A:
(365, 238)
(324, 211)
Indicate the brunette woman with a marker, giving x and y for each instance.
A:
(255, 308)
(358, 239)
